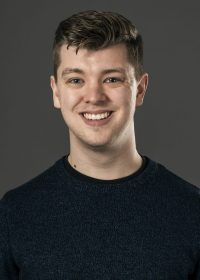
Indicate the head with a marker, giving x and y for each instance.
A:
(94, 30)
(98, 78)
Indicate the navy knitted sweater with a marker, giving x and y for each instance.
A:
(63, 225)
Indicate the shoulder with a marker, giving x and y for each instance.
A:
(177, 191)
(174, 181)
(173, 192)
(175, 200)
(37, 186)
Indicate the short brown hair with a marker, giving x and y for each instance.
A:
(97, 30)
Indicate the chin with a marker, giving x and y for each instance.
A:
(98, 142)
(97, 145)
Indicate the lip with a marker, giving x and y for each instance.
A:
(96, 112)
(97, 122)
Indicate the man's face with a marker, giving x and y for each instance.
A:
(97, 93)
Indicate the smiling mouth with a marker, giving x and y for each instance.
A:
(96, 117)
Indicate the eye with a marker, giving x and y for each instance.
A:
(113, 80)
(75, 81)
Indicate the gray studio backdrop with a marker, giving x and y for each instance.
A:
(33, 134)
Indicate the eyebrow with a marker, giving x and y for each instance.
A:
(113, 70)
(67, 71)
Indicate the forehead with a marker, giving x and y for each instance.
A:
(113, 56)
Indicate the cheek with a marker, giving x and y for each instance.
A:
(69, 100)
(124, 98)
(126, 103)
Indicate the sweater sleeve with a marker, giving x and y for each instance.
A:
(197, 272)
(8, 269)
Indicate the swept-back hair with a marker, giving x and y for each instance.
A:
(94, 30)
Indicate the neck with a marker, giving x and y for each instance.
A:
(105, 163)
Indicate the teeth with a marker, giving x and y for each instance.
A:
(96, 116)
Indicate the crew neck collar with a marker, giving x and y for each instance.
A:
(145, 174)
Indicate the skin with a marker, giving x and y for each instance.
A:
(100, 81)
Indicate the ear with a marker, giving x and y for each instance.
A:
(141, 89)
(56, 95)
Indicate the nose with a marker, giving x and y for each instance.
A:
(94, 93)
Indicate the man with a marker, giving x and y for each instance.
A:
(104, 211)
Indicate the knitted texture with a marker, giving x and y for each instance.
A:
(63, 225)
